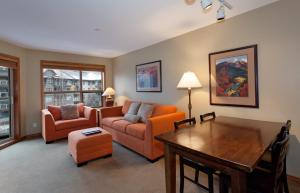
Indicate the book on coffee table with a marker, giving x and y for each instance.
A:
(91, 131)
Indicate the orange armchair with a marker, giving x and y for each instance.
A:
(53, 130)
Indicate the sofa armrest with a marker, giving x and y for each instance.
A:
(163, 124)
(48, 126)
(110, 112)
(156, 126)
(90, 114)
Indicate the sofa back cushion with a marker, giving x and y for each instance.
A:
(163, 110)
(134, 107)
(145, 112)
(69, 112)
(126, 106)
(131, 118)
(55, 112)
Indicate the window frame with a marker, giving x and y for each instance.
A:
(71, 66)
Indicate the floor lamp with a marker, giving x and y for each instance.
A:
(188, 81)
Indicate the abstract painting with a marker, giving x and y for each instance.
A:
(148, 77)
(233, 77)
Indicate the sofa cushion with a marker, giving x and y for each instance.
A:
(72, 123)
(81, 109)
(136, 130)
(55, 112)
(145, 112)
(126, 106)
(108, 121)
(163, 110)
(133, 109)
(120, 125)
(69, 112)
(131, 118)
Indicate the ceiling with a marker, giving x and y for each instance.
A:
(106, 28)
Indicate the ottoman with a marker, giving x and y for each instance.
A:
(85, 148)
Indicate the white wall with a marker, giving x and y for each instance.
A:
(276, 31)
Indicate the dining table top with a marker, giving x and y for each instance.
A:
(234, 142)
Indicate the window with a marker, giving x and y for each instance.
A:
(65, 83)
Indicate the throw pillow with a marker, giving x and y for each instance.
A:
(55, 112)
(81, 109)
(133, 109)
(145, 112)
(69, 112)
(131, 118)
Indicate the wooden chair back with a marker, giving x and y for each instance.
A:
(207, 116)
(288, 126)
(184, 122)
(279, 151)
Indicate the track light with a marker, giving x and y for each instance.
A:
(206, 4)
(221, 13)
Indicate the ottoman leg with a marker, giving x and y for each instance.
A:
(82, 164)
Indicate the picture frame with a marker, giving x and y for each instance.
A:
(233, 79)
(148, 77)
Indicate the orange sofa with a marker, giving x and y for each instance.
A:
(140, 136)
(58, 129)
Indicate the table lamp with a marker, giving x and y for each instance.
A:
(188, 81)
(108, 93)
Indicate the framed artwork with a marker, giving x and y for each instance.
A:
(148, 77)
(233, 77)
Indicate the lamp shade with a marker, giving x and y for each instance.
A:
(109, 91)
(189, 80)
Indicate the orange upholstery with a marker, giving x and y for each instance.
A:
(121, 125)
(85, 148)
(81, 109)
(55, 111)
(163, 109)
(65, 124)
(109, 120)
(53, 130)
(126, 106)
(136, 130)
(140, 137)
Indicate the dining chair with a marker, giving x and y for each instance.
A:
(207, 116)
(266, 160)
(270, 181)
(197, 166)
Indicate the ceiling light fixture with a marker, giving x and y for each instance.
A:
(206, 4)
(221, 13)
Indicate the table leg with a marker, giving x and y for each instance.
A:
(238, 182)
(170, 169)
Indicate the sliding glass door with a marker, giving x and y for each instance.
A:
(6, 105)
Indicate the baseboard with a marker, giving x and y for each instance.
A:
(9, 143)
(294, 179)
(32, 136)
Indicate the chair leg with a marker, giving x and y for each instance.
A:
(197, 176)
(181, 175)
(210, 183)
(223, 183)
(284, 178)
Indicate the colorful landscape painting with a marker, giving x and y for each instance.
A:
(232, 77)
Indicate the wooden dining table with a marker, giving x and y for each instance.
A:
(230, 145)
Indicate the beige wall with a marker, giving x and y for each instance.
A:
(277, 36)
(30, 79)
